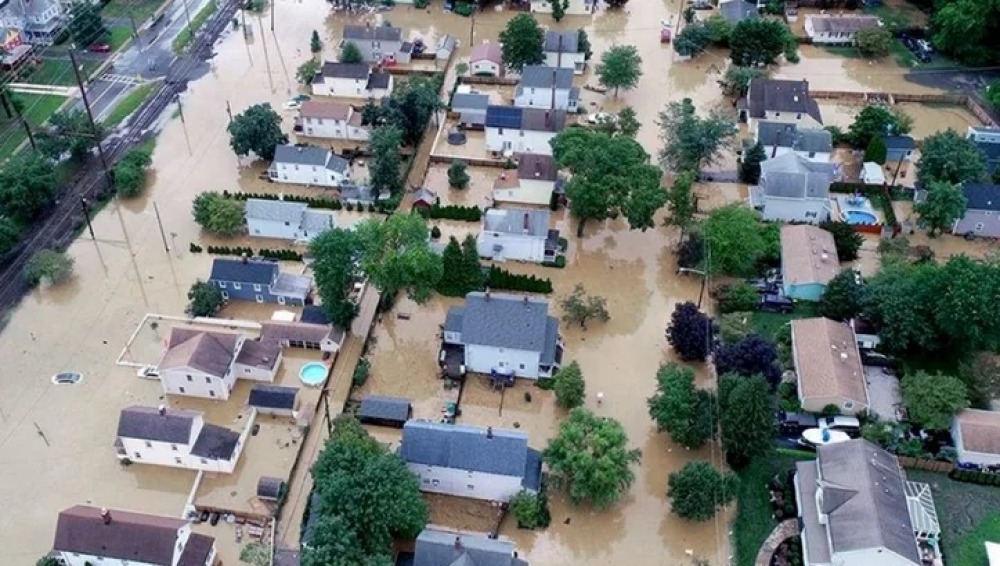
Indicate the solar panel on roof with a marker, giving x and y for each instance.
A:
(503, 117)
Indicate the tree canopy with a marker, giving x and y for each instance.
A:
(681, 409)
(10, 234)
(315, 43)
(750, 166)
(751, 356)
(458, 177)
(590, 459)
(578, 307)
(130, 172)
(49, 265)
(693, 40)
(968, 30)
(461, 272)
(396, 255)
(68, 130)
(737, 239)
(698, 490)
(759, 41)
(384, 170)
(691, 142)
(334, 252)
(736, 81)
(933, 399)
(307, 71)
(746, 421)
(570, 388)
(220, 215)
(86, 26)
(846, 239)
(945, 203)
(204, 299)
(950, 157)
(876, 152)
(873, 42)
(689, 332)
(680, 199)
(522, 43)
(257, 130)
(843, 296)
(878, 120)
(28, 186)
(620, 67)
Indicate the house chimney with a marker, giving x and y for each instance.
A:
(458, 543)
(163, 410)
(106, 516)
(559, 52)
(554, 76)
(489, 432)
(548, 119)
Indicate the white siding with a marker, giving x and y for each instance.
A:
(485, 66)
(542, 98)
(463, 483)
(274, 229)
(879, 556)
(72, 559)
(518, 141)
(484, 359)
(575, 61)
(530, 191)
(800, 119)
(192, 383)
(969, 455)
(516, 247)
(349, 88)
(575, 8)
(332, 129)
(317, 175)
(255, 373)
(796, 210)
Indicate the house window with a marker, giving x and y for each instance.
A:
(777, 114)
(848, 405)
(812, 154)
(204, 461)
(296, 167)
(435, 483)
(211, 393)
(177, 460)
(798, 116)
(181, 389)
(979, 226)
(208, 380)
(501, 131)
(222, 284)
(522, 366)
(426, 481)
(237, 286)
(138, 456)
(470, 486)
(149, 444)
(256, 288)
(173, 447)
(247, 370)
(190, 378)
(287, 224)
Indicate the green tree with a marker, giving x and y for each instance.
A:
(130, 172)
(559, 9)
(578, 307)
(332, 542)
(719, 30)
(746, 421)
(307, 71)
(968, 30)
(736, 81)
(945, 203)
(68, 130)
(759, 41)
(688, 14)
(991, 92)
(734, 326)
(315, 43)
(900, 301)
(384, 172)
(10, 234)
(350, 53)
(49, 265)
(204, 299)
(691, 142)
(628, 122)
(460, 274)
(693, 40)
(736, 238)
(410, 108)
(964, 303)
(698, 490)
(981, 374)
(570, 388)
(473, 270)
(843, 296)
(846, 239)
(86, 26)
(933, 399)
(396, 256)
(876, 151)
(950, 157)
(28, 186)
(877, 120)
(873, 42)
(522, 43)
(47, 561)
(256, 554)
(257, 130)
(333, 253)
(610, 175)
(583, 44)
(590, 459)
(680, 200)
(750, 166)
(685, 412)
(527, 508)
(739, 297)
(218, 214)
(620, 67)
(458, 177)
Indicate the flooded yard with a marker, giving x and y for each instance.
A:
(927, 118)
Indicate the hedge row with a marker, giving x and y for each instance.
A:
(499, 278)
(453, 212)
(898, 192)
(286, 255)
(383, 206)
(972, 476)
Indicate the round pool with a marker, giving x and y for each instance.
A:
(859, 217)
(313, 374)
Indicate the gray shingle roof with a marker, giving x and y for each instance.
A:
(379, 80)
(538, 120)
(147, 423)
(382, 407)
(570, 41)
(793, 176)
(540, 76)
(377, 33)
(774, 95)
(735, 11)
(197, 550)
(842, 24)
(277, 210)
(514, 221)
(273, 396)
(537, 166)
(899, 142)
(301, 155)
(504, 321)
(338, 164)
(470, 101)
(251, 271)
(465, 448)
(254, 353)
(128, 536)
(355, 71)
(551, 342)
(982, 196)
(439, 548)
(215, 443)
(314, 222)
(788, 135)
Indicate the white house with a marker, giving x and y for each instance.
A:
(977, 437)
(37, 22)
(199, 363)
(547, 87)
(531, 183)
(573, 7)
(378, 43)
(467, 461)
(517, 234)
(257, 361)
(352, 80)
(775, 100)
(331, 120)
(988, 141)
(470, 107)
(510, 129)
(833, 29)
(505, 334)
(779, 138)
(286, 220)
(88, 535)
(793, 189)
(486, 59)
(309, 166)
(562, 50)
(178, 439)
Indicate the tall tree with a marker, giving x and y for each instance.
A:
(306, 72)
(457, 175)
(751, 356)
(28, 186)
(257, 130)
(130, 172)
(735, 236)
(759, 41)
(964, 303)
(583, 44)
(873, 42)
(945, 203)
(628, 122)
(315, 43)
(461, 271)
(522, 43)
(689, 332)
(396, 255)
(681, 409)
(578, 307)
(968, 30)
(68, 130)
(876, 152)
(590, 459)
(350, 53)
(900, 302)
(680, 199)
(876, 120)
(413, 103)
(750, 166)
(846, 240)
(843, 296)
(691, 142)
(204, 299)
(698, 490)
(693, 40)
(86, 26)
(736, 81)
(746, 423)
(220, 215)
(950, 157)
(475, 278)
(384, 173)
(569, 386)
(933, 399)
(559, 9)
(620, 67)
(333, 253)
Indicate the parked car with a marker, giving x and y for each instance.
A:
(701, 5)
(850, 426)
(764, 285)
(67, 378)
(292, 104)
(816, 437)
(148, 372)
(875, 359)
(100, 48)
(793, 424)
(599, 117)
(773, 302)
(449, 5)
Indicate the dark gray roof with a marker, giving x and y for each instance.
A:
(504, 321)
(381, 407)
(982, 196)
(514, 221)
(277, 210)
(465, 448)
(570, 41)
(269, 487)
(147, 423)
(313, 314)
(789, 135)
(864, 499)
(899, 142)
(540, 76)
(793, 176)
(377, 33)
(453, 320)
(197, 550)
(301, 155)
(774, 95)
(735, 11)
(442, 548)
(813, 533)
(215, 443)
(128, 536)
(992, 153)
(533, 471)
(338, 164)
(537, 166)
(551, 341)
(345, 70)
(470, 101)
(379, 80)
(249, 271)
(316, 221)
(538, 120)
(273, 396)
(258, 354)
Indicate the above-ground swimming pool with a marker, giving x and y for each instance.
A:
(859, 217)
(313, 373)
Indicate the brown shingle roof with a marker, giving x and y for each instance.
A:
(263, 355)
(508, 179)
(487, 52)
(980, 430)
(827, 360)
(327, 110)
(196, 550)
(299, 331)
(541, 167)
(808, 255)
(209, 352)
(128, 536)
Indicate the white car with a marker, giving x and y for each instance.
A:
(67, 378)
(292, 104)
(848, 425)
(602, 117)
(816, 437)
(148, 372)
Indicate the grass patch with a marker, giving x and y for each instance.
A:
(894, 18)
(968, 514)
(845, 51)
(128, 104)
(37, 109)
(141, 10)
(754, 517)
(186, 36)
(119, 35)
(59, 72)
(767, 324)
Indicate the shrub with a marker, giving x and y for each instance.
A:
(499, 278)
(51, 265)
(361, 372)
(420, 4)
(830, 410)
(194, 248)
(435, 232)
(740, 297)
(464, 9)
(456, 212)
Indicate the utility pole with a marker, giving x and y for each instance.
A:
(90, 116)
(86, 214)
(180, 112)
(267, 60)
(272, 16)
(187, 13)
(229, 110)
(243, 14)
(27, 126)
(159, 221)
(472, 25)
(135, 30)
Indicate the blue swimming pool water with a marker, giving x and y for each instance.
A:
(313, 373)
(860, 217)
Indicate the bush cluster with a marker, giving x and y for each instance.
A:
(499, 278)
(313, 202)
(286, 254)
(453, 212)
(972, 476)
(194, 248)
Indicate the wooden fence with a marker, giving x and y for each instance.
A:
(970, 103)
(503, 81)
(924, 464)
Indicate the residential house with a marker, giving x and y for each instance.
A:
(424, 198)
(38, 22)
(573, 7)
(547, 87)
(532, 183)
(517, 234)
(856, 508)
(385, 411)
(775, 100)
(352, 80)
(199, 363)
(793, 189)
(833, 30)
(471, 108)
(982, 211)
(977, 437)
(562, 51)
(442, 548)
(808, 261)
(779, 138)
(828, 367)
(988, 141)
(379, 44)
(309, 166)
(486, 59)
(257, 361)
(331, 120)
(735, 11)
(90, 535)
(310, 336)
(899, 148)
(259, 280)
(274, 400)
(505, 334)
(286, 220)
(180, 439)
(510, 129)
(468, 461)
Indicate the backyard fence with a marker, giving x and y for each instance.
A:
(480, 80)
(971, 103)
(925, 464)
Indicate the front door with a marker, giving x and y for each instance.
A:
(281, 300)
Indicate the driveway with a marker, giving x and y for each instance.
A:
(883, 392)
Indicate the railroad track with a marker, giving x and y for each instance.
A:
(58, 227)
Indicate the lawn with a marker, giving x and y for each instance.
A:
(894, 18)
(754, 516)
(768, 324)
(187, 34)
(128, 104)
(37, 109)
(119, 35)
(969, 515)
(141, 10)
(59, 72)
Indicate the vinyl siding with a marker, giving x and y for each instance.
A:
(500, 139)
(463, 483)
(485, 359)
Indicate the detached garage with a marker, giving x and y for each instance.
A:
(274, 399)
(385, 411)
(302, 335)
